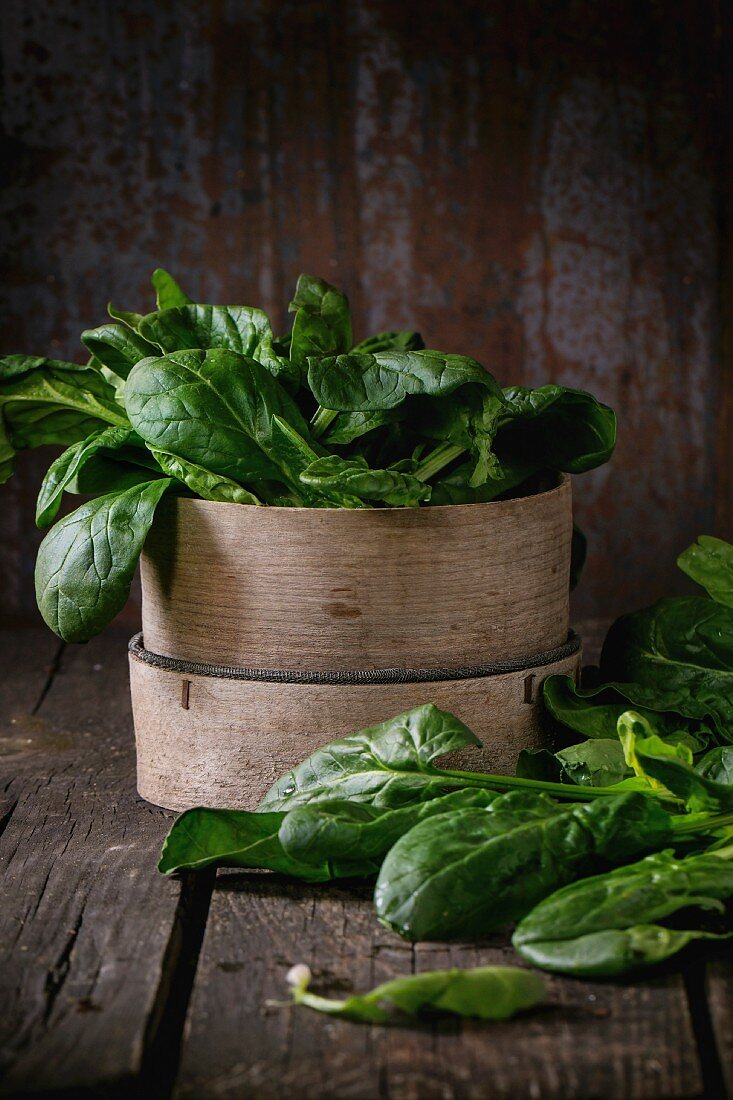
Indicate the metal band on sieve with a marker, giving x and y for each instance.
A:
(351, 676)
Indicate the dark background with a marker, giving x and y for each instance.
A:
(544, 186)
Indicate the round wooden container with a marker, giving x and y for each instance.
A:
(270, 631)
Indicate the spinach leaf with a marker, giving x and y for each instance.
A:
(469, 420)
(232, 838)
(213, 408)
(365, 383)
(86, 562)
(390, 341)
(317, 842)
(202, 482)
(294, 456)
(117, 347)
(709, 562)
(322, 324)
(48, 401)
(675, 656)
(455, 487)
(241, 329)
(357, 833)
(717, 764)
(698, 792)
(606, 925)
(348, 426)
(67, 466)
(127, 317)
(471, 872)
(168, 294)
(539, 764)
(353, 475)
(386, 766)
(598, 763)
(557, 428)
(486, 992)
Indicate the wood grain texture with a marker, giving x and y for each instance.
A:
(719, 993)
(88, 933)
(338, 589)
(209, 741)
(611, 1040)
(541, 186)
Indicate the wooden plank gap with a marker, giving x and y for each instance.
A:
(711, 1066)
(164, 1028)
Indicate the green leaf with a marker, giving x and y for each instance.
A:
(456, 488)
(362, 383)
(594, 712)
(386, 765)
(675, 656)
(539, 764)
(168, 294)
(556, 428)
(709, 562)
(486, 992)
(607, 925)
(294, 455)
(697, 791)
(390, 341)
(67, 466)
(206, 485)
(469, 419)
(360, 835)
(231, 838)
(353, 475)
(49, 401)
(612, 952)
(241, 329)
(322, 324)
(471, 872)
(213, 408)
(596, 763)
(348, 426)
(117, 347)
(717, 765)
(132, 320)
(86, 562)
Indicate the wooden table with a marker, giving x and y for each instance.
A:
(119, 981)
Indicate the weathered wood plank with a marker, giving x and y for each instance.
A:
(612, 1040)
(719, 991)
(89, 933)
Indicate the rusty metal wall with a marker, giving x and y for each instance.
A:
(538, 185)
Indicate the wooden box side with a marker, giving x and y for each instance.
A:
(318, 589)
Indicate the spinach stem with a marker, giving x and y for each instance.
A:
(708, 822)
(575, 793)
(321, 419)
(443, 454)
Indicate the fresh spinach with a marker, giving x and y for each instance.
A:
(317, 842)
(205, 398)
(392, 764)
(474, 871)
(485, 992)
(86, 562)
(709, 562)
(353, 476)
(607, 925)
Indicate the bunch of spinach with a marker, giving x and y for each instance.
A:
(207, 400)
(456, 854)
(673, 662)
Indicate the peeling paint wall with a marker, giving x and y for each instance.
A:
(537, 185)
